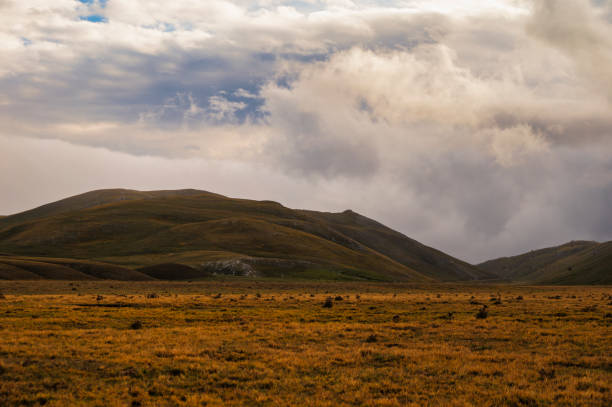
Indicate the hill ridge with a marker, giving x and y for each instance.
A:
(574, 262)
(194, 228)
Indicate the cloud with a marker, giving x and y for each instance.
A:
(582, 32)
(481, 129)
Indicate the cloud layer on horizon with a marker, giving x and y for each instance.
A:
(482, 131)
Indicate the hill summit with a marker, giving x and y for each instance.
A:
(188, 234)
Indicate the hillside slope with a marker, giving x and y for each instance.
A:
(395, 245)
(211, 233)
(91, 199)
(36, 268)
(577, 262)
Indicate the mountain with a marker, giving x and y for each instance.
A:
(577, 262)
(91, 199)
(395, 245)
(189, 234)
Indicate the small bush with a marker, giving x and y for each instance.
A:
(176, 372)
(99, 298)
(328, 303)
(371, 339)
(136, 325)
(547, 373)
(338, 298)
(448, 316)
(152, 295)
(396, 318)
(482, 313)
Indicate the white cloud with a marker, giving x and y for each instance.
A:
(454, 121)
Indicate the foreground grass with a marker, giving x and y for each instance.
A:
(272, 343)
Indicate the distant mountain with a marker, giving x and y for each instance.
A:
(188, 234)
(577, 262)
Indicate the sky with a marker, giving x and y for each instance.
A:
(483, 129)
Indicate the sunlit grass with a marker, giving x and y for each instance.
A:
(273, 343)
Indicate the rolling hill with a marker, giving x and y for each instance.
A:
(577, 262)
(187, 234)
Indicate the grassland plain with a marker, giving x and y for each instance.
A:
(257, 342)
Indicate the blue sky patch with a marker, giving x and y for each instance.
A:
(101, 3)
(94, 18)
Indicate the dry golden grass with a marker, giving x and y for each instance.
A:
(273, 343)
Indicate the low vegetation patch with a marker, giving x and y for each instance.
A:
(219, 343)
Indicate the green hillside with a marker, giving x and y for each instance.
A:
(35, 268)
(91, 199)
(578, 262)
(395, 245)
(211, 234)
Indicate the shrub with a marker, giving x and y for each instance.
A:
(176, 372)
(152, 295)
(136, 325)
(547, 373)
(371, 339)
(338, 298)
(396, 318)
(99, 298)
(482, 313)
(328, 303)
